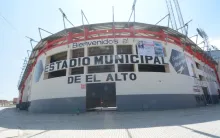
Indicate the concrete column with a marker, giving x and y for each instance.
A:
(134, 52)
(85, 55)
(69, 56)
(115, 53)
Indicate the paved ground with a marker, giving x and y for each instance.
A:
(192, 123)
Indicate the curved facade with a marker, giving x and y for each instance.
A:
(130, 69)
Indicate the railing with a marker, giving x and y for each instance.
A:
(117, 33)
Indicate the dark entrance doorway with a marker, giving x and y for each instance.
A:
(100, 95)
(206, 95)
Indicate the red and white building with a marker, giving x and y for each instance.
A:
(136, 67)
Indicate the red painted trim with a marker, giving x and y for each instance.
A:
(70, 36)
(86, 33)
(131, 30)
(216, 73)
(162, 35)
(57, 40)
(77, 35)
(148, 32)
(132, 34)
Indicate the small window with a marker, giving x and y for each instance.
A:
(201, 78)
(124, 49)
(197, 65)
(58, 73)
(125, 67)
(101, 69)
(79, 70)
(58, 57)
(101, 50)
(151, 68)
(78, 53)
(213, 74)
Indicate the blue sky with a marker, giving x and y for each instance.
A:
(26, 16)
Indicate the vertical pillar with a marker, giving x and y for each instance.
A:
(85, 55)
(134, 52)
(86, 31)
(132, 33)
(69, 56)
(163, 36)
(69, 39)
(115, 53)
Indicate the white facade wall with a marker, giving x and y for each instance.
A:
(146, 82)
(27, 89)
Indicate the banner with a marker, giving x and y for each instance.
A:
(158, 49)
(150, 48)
(191, 65)
(178, 61)
(146, 48)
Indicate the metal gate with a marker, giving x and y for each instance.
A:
(100, 95)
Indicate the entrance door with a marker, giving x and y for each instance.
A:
(206, 94)
(108, 95)
(100, 95)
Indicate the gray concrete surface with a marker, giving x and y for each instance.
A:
(200, 122)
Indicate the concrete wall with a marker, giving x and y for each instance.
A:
(161, 90)
(27, 88)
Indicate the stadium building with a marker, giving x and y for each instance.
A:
(117, 65)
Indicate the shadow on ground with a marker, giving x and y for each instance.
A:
(201, 133)
(13, 119)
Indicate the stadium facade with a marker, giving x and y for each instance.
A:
(128, 67)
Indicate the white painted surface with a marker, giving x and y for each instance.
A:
(156, 83)
(27, 88)
(146, 83)
(56, 88)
